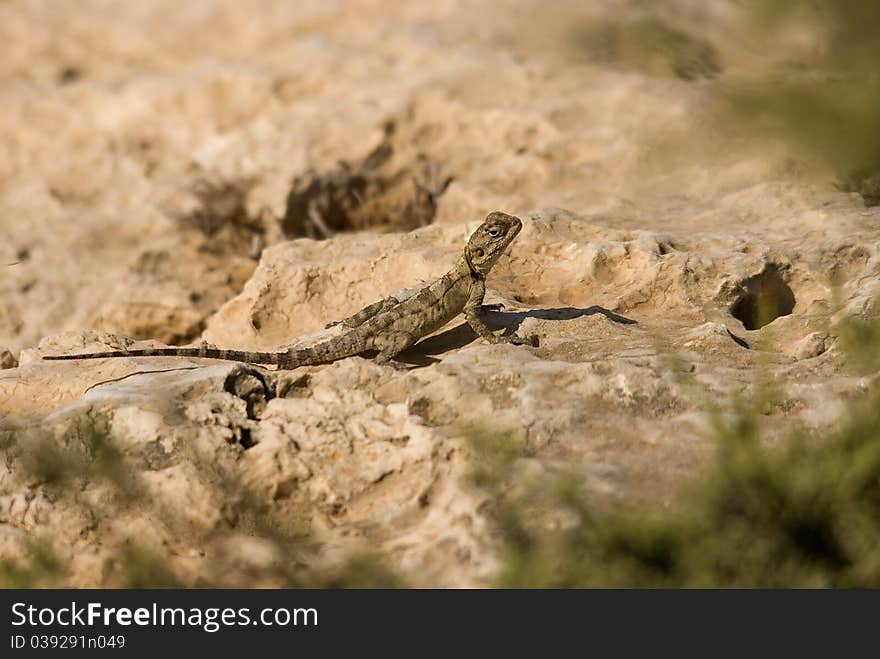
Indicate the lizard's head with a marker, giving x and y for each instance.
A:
(489, 241)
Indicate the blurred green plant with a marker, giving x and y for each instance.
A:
(85, 452)
(136, 566)
(41, 569)
(648, 44)
(860, 339)
(821, 96)
(806, 514)
(802, 512)
(805, 73)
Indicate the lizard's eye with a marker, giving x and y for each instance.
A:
(495, 231)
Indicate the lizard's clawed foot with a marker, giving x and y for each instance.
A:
(383, 360)
(513, 339)
(518, 340)
(396, 365)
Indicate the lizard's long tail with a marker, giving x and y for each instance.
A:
(210, 353)
(323, 353)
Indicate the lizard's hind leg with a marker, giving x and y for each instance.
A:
(392, 344)
(366, 313)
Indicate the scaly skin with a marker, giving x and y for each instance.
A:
(388, 326)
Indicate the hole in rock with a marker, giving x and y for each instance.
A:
(866, 183)
(246, 439)
(222, 210)
(391, 189)
(765, 297)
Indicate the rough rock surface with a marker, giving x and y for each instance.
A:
(146, 187)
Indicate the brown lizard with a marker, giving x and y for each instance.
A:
(388, 326)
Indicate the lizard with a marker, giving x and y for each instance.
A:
(388, 326)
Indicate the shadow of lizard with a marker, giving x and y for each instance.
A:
(462, 334)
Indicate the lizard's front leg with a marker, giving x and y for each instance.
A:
(362, 316)
(473, 314)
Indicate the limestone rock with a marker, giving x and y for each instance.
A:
(812, 345)
(150, 196)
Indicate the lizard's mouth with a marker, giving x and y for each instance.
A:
(512, 233)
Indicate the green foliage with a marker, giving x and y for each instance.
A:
(824, 99)
(358, 572)
(42, 569)
(803, 512)
(139, 567)
(85, 453)
(648, 44)
(860, 338)
(804, 73)
(493, 452)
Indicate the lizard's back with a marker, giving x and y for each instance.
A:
(425, 311)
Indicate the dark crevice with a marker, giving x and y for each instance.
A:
(764, 298)
(288, 386)
(245, 438)
(381, 192)
(69, 74)
(222, 217)
(256, 390)
(866, 183)
(739, 341)
(649, 45)
(252, 387)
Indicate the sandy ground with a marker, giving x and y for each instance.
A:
(244, 173)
